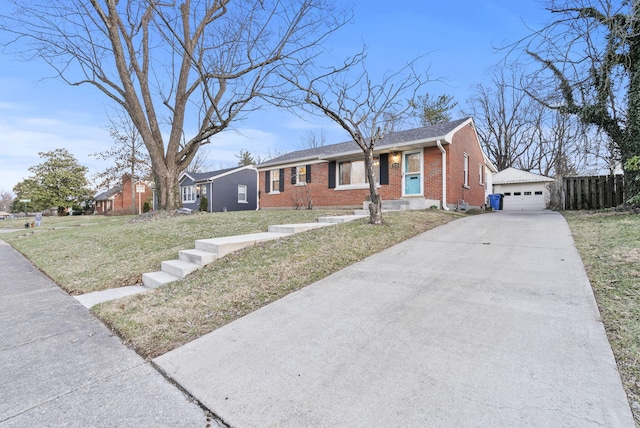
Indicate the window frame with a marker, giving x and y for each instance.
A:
(465, 171)
(189, 191)
(246, 194)
(274, 178)
(301, 175)
(351, 185)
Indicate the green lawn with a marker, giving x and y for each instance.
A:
(90, 253)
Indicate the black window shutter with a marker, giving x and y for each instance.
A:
(267, 181)
(384, 168)
(332, 175)
(293, 175)
(281, 180)
(308, 174)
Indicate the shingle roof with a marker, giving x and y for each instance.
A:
(429, 133)
(200, 176)
(204, 176)
(103, 196)
(513, 175)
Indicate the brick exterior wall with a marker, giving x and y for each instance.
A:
(464, 141)
(122, 203)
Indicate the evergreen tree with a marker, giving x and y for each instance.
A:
(60, 181)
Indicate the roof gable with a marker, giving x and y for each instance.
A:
(441, 131)
(513, 175)
(103, 196)
(198, 177)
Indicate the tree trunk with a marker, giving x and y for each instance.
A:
(375, 204)
(167, 190)
(631, 146)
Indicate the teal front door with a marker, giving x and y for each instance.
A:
(412, 173)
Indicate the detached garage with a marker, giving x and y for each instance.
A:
(522, 190)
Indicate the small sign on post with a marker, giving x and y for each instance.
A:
(140, 188)
(25, 202)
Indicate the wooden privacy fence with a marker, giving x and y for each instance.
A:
(589, 193)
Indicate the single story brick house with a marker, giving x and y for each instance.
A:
(118, 198)
(441, 165)
(232, 189)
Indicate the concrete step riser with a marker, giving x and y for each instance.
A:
(221, 249)
(157, 279)
(177, 268)
(341, 219)
(200, 258)
(296, 228)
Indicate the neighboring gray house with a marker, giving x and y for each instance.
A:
(232, 189)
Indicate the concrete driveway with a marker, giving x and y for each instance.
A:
(487, 321)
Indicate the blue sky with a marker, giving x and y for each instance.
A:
(457, 38)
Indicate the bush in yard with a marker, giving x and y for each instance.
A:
(204, 203)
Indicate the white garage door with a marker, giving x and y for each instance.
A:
(524, 197)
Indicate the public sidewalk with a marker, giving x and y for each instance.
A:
(59, 366)
(488, 321)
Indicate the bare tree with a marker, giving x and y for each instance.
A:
(200, 162)
(6, 199)
(182, 70)
(128, 155)
(503, 114)
(312, 139)
(364, 109)
(590, 55)
(518, 131)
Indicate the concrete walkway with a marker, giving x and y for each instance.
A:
(487, 321)
(59, 366)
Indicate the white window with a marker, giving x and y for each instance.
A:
(354, 172)
(301, 175)
(242, 193)
(466, 170)
(188, 194)
(480, 173)
(275, 181)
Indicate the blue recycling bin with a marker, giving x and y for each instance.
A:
(494, 201)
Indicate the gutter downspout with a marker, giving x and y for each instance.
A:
(257, 189)
(444, 175)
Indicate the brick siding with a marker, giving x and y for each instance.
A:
(464, 141)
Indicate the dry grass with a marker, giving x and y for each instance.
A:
(155, 323)
(609, 244)
(91, 253)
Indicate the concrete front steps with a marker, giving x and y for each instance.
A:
(209, 250)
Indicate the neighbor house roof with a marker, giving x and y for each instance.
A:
(395, 140)
(108, 194)
(199, 177)
(513, 175)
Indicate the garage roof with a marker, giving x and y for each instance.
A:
(513, 175)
